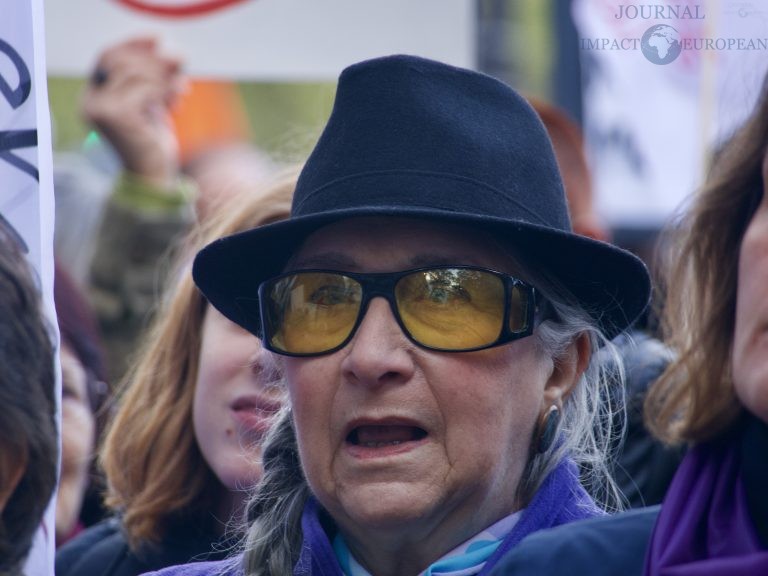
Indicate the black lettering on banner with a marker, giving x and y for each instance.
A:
(15, 97)
(13, 139)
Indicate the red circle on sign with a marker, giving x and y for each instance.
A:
(190, 8)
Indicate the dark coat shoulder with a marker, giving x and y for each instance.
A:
(94, 551)
(102, 550)
(605, 546)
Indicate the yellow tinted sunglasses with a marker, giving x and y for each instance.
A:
(444, 308)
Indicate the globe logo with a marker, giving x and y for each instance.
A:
(661, 44)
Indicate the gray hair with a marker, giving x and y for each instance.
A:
(591, 425)
(273, 539)
(586, 433)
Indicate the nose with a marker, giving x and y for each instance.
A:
(379, 352)
(264, 366)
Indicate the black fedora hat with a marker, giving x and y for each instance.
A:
(412, 137)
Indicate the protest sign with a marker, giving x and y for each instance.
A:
(285, 40)
(26, 194)
(664, 83)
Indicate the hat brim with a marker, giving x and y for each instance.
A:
(610, 283)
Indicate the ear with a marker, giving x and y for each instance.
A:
(13, 464)
(567, 372)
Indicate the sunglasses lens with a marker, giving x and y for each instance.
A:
(311, 312)
(519, 301)
(452, 308)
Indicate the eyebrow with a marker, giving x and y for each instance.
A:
(331, 260)
(427, 259)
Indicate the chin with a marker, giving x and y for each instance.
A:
(382, 507)
(239, 477)
(758, 405)
(751, 384)
(66, 519)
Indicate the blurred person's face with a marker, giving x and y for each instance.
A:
(750, 344)
(421, 446)
(78, 431)
(234, 402)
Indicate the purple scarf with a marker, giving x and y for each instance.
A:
(560, 499)
(705, 527)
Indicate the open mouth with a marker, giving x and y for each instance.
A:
(380, 436)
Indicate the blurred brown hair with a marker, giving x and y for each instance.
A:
(28, 436)
(155, 470)
(694, 400)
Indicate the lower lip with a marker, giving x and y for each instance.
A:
(386, 451)
(252, 421)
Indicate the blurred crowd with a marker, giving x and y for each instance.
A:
(167, 402)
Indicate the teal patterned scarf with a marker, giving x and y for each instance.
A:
(466, 559)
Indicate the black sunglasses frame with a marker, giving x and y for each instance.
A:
(382, 284)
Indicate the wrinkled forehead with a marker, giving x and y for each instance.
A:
(371, 244)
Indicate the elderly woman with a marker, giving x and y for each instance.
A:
(714, 519)
(435, 319)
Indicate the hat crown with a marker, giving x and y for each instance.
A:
(415, 138)
(408, 132)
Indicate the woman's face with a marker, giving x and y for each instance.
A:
(78, 435)
(750, 344)
(426, 445)
(234, 402)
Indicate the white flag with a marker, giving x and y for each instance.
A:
(26, 190)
